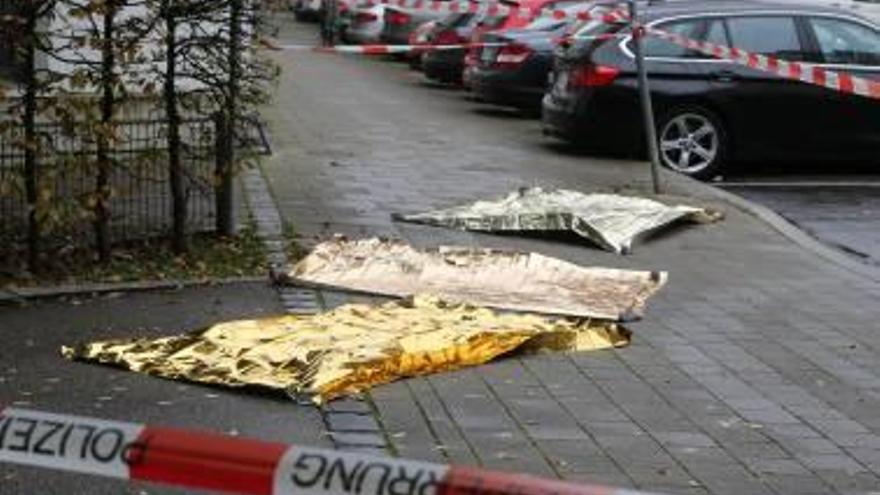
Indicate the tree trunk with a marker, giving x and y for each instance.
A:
(226, 165)
(175, 172)
(105, 161)
(30, 139)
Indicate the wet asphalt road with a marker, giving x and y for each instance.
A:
(841, 210)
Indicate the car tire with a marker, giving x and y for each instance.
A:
(693, 141)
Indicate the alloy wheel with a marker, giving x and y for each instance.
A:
(689, 143)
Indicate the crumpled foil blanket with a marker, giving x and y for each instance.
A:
(611, 221)
(499, 279)
(350, 349)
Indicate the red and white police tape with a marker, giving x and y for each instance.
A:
(380, 49)
(797, 71)
(210, 461)
(493, 9)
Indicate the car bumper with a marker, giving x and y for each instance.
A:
(355, 34)
(442, 66)
(504, 88)
(395, 36)
(604, 120)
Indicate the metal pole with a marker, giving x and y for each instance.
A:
(645, 96)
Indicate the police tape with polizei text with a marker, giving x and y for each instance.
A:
(210, 461)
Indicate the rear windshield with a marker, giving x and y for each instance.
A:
(457, 20)
(594, 27)
(545, 23)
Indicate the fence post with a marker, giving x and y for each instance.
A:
(645, 96)
(224, 170)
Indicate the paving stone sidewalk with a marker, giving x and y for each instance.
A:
(754, 371)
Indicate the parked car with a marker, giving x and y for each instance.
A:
(530, 9)
(709, 111)
(515, 72)
(447, 65)
(307, 10)
(365, 24)
(400, 22)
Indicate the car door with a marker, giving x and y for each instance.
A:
(766, 113)
(848, 122)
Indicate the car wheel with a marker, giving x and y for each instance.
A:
(693, 142)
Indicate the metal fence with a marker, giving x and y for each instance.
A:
(141, 199)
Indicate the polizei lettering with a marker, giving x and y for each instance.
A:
(319, 471)
(65, 442)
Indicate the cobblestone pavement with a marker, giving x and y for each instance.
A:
(754, 371)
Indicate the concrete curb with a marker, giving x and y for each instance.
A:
(778, 223)
(351, 423)
(29, 293)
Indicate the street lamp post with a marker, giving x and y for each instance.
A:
(645, 96)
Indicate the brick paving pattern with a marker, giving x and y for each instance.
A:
(754, 371)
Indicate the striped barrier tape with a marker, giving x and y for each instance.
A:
(210, 461)
(494, 9)
(381, 49)
(796, 71)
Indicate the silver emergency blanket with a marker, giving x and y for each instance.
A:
(516, 281)
(611, 221)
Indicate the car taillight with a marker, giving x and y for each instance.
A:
(447, 38)
(511, 56)
(398, 18)
(365, 17)
(593, 75)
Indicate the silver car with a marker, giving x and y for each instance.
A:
(365, 24)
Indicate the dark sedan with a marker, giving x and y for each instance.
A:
(514, 73)
(447, 65)
(709, 111)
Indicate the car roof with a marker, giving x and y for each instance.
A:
(659, 8)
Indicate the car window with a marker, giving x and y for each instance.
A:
(594, 27)
(716, 33)
(844, 42)
(658, 47)
(775, 36)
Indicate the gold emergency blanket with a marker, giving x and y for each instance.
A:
(349, 349)
(611, 221)
(498, 279)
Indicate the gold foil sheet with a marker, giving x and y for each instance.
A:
(508, 280)
(350, 349)
(611, 221)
